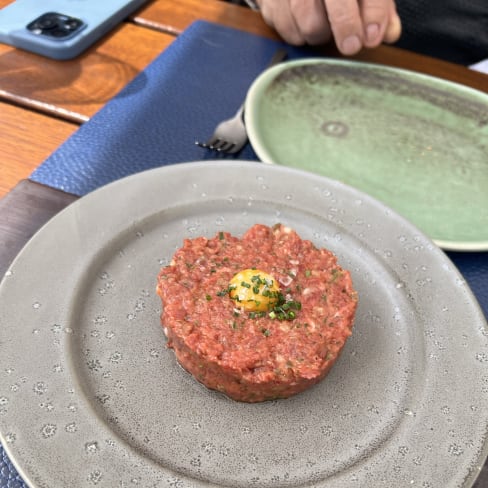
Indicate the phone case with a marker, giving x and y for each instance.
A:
(99, 17)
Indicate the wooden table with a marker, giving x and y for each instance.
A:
(42, 101)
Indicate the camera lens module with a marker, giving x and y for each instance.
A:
(47, 22)
(55, 25)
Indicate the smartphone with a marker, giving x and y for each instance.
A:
(61, 29)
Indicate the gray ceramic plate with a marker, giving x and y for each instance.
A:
(417, 143)
(90, 396)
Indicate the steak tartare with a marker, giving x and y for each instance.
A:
(257, 318)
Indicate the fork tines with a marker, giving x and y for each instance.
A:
(218, 145)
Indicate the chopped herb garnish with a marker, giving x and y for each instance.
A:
(208, 298)
(221, 235)
(226, 291)
(308, 273)
(266, 332)
(284, 309)
(245, 285)
(336, 273)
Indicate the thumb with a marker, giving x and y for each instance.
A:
(393, 29)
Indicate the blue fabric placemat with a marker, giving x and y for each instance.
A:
(199, 80)
(196, 82)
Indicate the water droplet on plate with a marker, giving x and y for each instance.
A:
(10, 438)
(48, 430)
(95, 477)
(116, 357)
(455, 450)
(91, 447)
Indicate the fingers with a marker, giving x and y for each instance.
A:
(281, 20)
(297, 21)
(354, 24)
(346, 25)
(311, 19)
(366, 23)
(394, 27)
(380, 22)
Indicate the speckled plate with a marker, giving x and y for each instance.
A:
(90, 396)
(417, 143)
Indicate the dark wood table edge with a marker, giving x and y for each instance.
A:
(23, 211)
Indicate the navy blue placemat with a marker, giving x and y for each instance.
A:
(199, 80)
(196, 82)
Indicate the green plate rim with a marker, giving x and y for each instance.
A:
(267, 76)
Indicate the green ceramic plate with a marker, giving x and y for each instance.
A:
(417, 143)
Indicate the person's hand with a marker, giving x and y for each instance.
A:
(353, 24)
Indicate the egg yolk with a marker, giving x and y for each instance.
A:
(254, 290)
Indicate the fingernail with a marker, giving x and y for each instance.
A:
(372, 31)
(351, 45)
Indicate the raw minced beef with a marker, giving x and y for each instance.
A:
(255, 356)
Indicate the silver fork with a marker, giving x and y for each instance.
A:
(230, 135)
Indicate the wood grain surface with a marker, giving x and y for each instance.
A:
(76, 89)
(27, 138)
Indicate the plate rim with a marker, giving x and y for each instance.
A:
(264, 78)
(209, 163)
